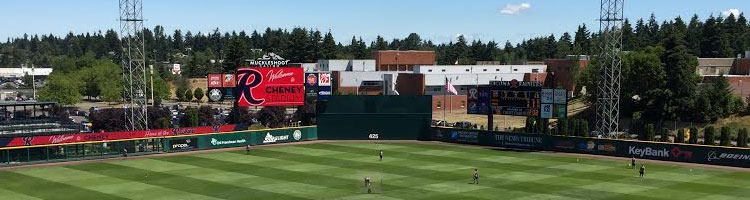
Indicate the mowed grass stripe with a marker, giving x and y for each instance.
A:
(357, 165)
(453, 176)
(181, 183)
(106, 184)
(44, 189)
(466, 161)
(592, 177)
(394, 190)
(311, 178)
(7, 194)
(263, 171)
(603, 175)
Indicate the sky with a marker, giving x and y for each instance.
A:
(436, 20)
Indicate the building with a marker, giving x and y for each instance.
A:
(740, 84)
(462, 77)
(402, 60)
(23, 71)
(714, 66)
(346, 65)
(564, 71)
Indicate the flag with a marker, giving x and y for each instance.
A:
(449, 87)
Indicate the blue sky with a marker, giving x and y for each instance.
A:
(437, 20)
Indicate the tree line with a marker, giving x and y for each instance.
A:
(200, 53)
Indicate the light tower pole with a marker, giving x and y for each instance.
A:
(608, 85)
(133, 62)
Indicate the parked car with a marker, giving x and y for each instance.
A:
(462, 124)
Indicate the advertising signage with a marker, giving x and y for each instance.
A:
(279, 86)
(214, 80)
(106, 136)
(519, 98)
(478, 100)
(311, 86)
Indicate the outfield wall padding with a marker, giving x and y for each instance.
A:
(714, 155)
(374, 117)
(241, 138)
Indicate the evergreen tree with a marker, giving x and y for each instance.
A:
(328, 49)
(379, 44)
(235, 55)
(682, 80)
(582, 42)
(694, 34)
(693, 135)
(641, 35)
(725, 137)
(628, 36)
(708, 135)
(680, 136)
(742, 137)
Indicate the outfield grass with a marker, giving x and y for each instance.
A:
(337, 170)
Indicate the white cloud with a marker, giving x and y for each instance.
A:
(734, 11)
(514, 9)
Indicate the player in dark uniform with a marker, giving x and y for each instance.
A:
(476, 176)
(247, 149)
(368, 184)
(381, 155)
(124, 153)
(642, 170)
(632, 163)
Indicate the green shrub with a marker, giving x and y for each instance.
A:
(693, 136)
(680, 136)
(650, 132)
(708, 135)
(742, 137)
(725, 141)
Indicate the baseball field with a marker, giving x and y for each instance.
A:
(337, 171)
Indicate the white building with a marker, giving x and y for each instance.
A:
(20, 72)
(464, 76)
(346, 65)
(461, 76)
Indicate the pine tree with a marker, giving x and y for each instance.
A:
(708, 135)
(694, 34)
(328, 48)
(693, 135)
(682, 80)
(742, 137)
(582, 42)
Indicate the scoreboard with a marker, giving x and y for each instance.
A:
(519, 98)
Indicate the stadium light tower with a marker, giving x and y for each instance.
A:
(133, 64)
(608, 85)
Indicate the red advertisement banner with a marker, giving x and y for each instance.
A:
(228, 80)
(214, 80)
(107, 136)
(279, 86)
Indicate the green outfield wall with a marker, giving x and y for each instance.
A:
(374, 117)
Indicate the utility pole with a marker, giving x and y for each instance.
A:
(33, 82)
(153, 99)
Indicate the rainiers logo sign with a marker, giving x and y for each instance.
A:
(280, 86)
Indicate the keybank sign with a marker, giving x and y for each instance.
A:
(648, 151)
(216, 142)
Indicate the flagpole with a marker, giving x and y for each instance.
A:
(445, 91)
